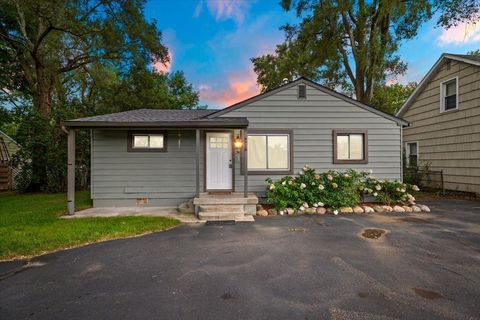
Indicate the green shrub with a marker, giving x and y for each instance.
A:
(389, 192)
(332, 189)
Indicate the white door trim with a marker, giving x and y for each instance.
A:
(218, 161)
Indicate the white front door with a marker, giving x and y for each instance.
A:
(219, 161)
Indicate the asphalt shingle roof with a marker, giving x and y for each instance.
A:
(148, 115)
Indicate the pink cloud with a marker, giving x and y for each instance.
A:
(461, 34)
(240, 87)
(224, 10)
(161, 67)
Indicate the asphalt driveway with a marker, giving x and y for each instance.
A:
(426, 266)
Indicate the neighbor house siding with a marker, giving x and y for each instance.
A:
(313, 120)
(120, 177)
(449, 141)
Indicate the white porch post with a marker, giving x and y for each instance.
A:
(245, 163)
(71, 172)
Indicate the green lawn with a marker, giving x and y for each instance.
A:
(30, 224)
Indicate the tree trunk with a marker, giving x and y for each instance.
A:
(42, 103)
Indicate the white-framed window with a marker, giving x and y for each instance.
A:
(411, 153)
(146, 141)
(449, 95)
(269, 152)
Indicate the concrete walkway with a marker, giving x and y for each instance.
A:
(169, 212)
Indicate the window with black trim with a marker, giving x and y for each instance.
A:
(350, 146)
(147, 141)
(269, 152)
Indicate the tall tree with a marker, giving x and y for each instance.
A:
(351, 44)
(389, 98)
(42, 42)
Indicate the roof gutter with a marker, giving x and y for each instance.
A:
(240, 123)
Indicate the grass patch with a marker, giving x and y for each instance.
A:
(30, 224)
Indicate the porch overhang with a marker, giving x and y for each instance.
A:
(226, 122)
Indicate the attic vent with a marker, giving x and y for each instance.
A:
(302, 91)
(449, 64)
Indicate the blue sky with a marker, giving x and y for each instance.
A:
(212, 41)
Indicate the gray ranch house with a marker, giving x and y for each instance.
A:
(162, 158)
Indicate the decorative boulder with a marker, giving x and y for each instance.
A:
(321, 210)
(187, 207)
(329, 210)
(272, 212)
(289, 211)
(259, 207)
(368, 209)
(398, 209)
(358, 209)
(416, 209)
(424, 207)
(407, 209)
(387, 208)
(262, 213)
(380, 209)
(346, 210)
(310, 211)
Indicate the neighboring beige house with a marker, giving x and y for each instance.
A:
(444, 116)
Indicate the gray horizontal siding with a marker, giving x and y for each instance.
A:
(120, 177)
(312, 121)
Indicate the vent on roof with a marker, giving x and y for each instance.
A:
(302, 91)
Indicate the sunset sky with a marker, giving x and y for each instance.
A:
(212, 41)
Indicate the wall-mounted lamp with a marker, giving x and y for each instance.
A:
(238, 143)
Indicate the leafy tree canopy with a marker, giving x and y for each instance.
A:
(390, 98)
(352, 45)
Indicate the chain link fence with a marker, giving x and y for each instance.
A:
(425, 178)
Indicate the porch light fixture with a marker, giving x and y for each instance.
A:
(238, 143)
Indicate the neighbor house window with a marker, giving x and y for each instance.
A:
(411, 150)
(449, 95)
(269, 152)
(146, 141)
(350, 146)
(302, 91)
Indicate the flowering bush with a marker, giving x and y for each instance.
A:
(389, 192)
(334, 189)
(311, 189)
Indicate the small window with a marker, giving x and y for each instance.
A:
(350, 146)
(411, 149)
(449, 95)
(146, 141)
(302, 91)
(269, 153)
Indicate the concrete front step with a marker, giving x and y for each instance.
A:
(220, 215)
(239, 208)
(229, 199)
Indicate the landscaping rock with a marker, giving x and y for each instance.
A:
(424, 207)
(310, 211)
(289, 211)
(398, 209)
(329, 210)
(272, 212)
(358, 209)
(416, 209)
(262, 213)
(187, 207)
(380, 209)
(259, 207)
(368, 209)
(407, 209)
(387, 208)
(321, 210)
(346, 210)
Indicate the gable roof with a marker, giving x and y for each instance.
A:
(466, 58)
(314, 85)
(156, 117)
